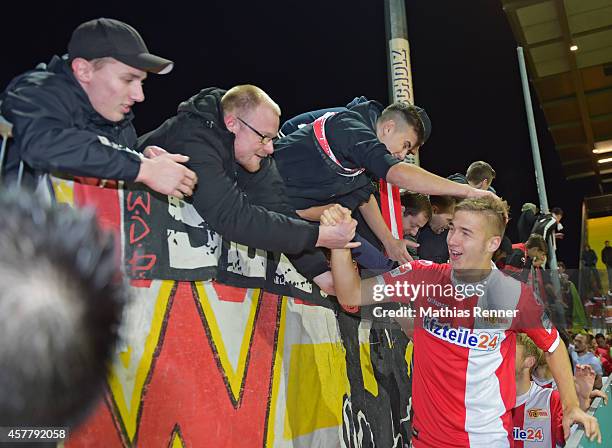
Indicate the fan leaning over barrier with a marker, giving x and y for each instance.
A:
(73, 116)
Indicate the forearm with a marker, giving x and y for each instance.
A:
(230, 214)
(373, 217)
(346, 279)
(79, 153)
(561, 369)
(263, 229)
(313, 213)
(414, 178)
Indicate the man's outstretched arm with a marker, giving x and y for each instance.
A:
(414, 178)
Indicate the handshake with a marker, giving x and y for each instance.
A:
(337, 229)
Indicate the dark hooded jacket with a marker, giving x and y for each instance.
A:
(525, 224)
(247, 208)
(56, 129)
(352, 137)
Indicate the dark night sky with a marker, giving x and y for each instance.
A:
(314, 54)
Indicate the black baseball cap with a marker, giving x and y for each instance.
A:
(102, 38)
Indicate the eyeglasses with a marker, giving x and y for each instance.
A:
(265, 139)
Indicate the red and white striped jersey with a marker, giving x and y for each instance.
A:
(546, 384)
(463, 385)
(537, 418)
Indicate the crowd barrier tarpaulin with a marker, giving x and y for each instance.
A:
(226, 346)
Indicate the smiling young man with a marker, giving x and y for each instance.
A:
(466, 317)
(228, 136)
(73, 117)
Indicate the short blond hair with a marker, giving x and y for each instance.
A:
(530, 349)
(244, 98)
(495, 209)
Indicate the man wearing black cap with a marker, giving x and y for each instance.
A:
(73, 116)
(334, 160)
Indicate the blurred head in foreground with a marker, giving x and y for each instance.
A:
(60, 306)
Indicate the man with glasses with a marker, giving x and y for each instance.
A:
(228, 136)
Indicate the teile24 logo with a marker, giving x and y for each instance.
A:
(528, 434)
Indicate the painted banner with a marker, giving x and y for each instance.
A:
(237, 362)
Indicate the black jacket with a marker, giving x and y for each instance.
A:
(247, 208)
(352, 137)
(589, 258)
(606, 256)
(525, 224)
(56, 129)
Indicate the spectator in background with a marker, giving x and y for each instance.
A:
(526, 220)
(557, 213)
(479, 175)
(606, 259)
(416, 211)
(501, 254)
(589, 256)
(431, 246)
(567, 295)
(526, 263)
(602, 351)
(589, 260)
(443, 208)
(581, 354)
(73, 117)
(60, 307)
(524, 255)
